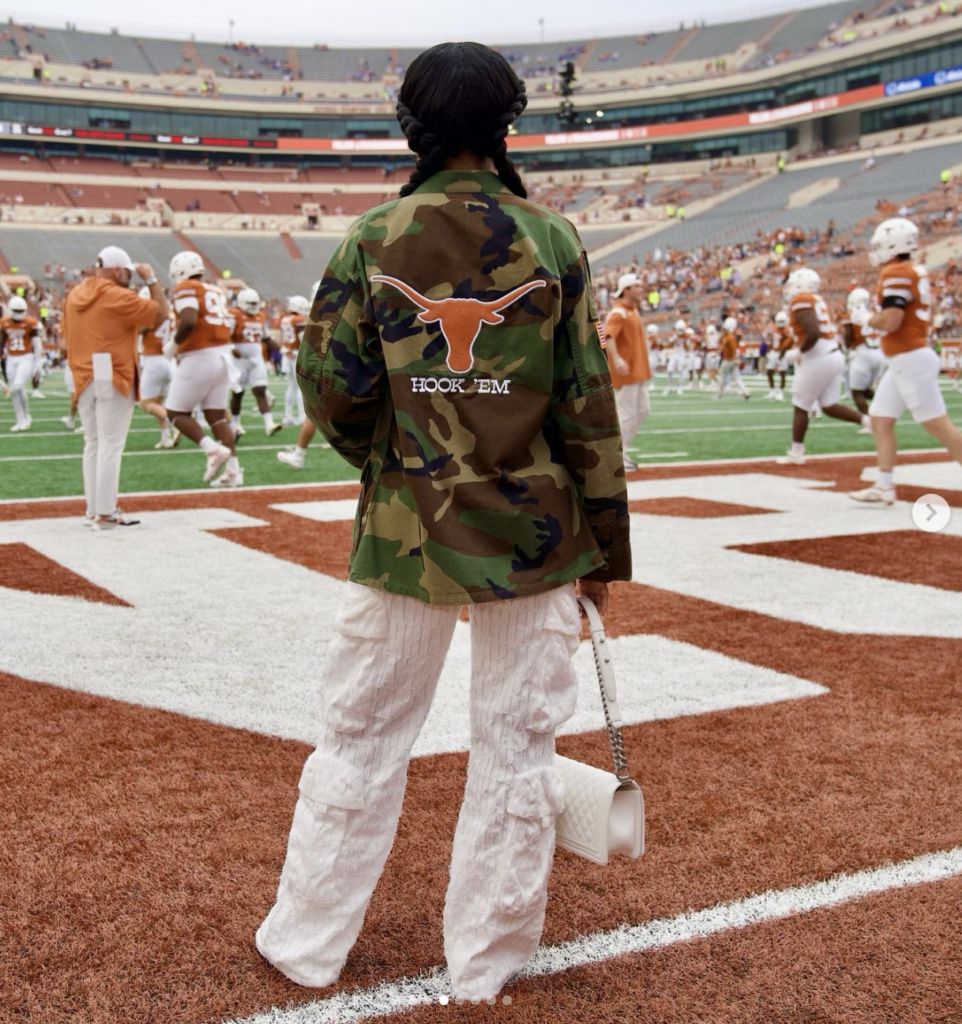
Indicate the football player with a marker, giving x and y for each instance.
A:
(677, 357)
(729, 360)
(202, 376)
(782, 344)
(21, 342)
(912, 379)
(249, 335)
(156, 372)
(818, 372)
(292, 327)
(295, 455)
(712, 354)
(867, 365)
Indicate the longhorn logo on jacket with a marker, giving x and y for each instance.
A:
(460, 319)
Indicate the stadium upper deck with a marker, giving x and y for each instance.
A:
(803, 82)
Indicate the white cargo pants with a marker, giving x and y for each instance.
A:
(378, 682)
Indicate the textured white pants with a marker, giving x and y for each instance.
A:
(378, 682)
(105, 414)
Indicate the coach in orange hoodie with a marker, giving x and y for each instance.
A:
(101, 319)
(627, 349)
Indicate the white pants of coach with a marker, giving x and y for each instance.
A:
(378, 682)
(730, 374)
(105, 414)
(634, 407)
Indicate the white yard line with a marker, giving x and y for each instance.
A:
(428, 988)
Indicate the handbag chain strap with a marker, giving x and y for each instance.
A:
(609, 693)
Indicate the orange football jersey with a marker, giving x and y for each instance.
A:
(292, 327)
(828, 337)
(729, 346)
(902, 280)
(212, 327)
(152, 341)
(249, 328)
(18, 335)
(784, 340)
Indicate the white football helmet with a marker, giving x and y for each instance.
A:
(298, 304)
(802, 280)
(893, 237)
(248, 300)
(18, 307)
(781, 318)
(730, 324)
(184, 265)
(858, 298)
(680, 326)
(652, 330)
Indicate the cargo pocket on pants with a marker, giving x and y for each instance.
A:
(317, 862)
(535, 799)
(352, 678)
(553, 692)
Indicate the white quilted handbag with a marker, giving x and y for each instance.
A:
(604, 811)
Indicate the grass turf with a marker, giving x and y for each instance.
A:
(46, 461)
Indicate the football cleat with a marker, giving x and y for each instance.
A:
(175, 436)
(165, 442)
(215, 460)
(874, 495)
(239, 431)
(229, 478)
(788, 459)
(864, 430)
(113, 520)
(292, 457)
(272, 428)
(37, 393)
(68, 422)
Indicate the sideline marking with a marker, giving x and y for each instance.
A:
(426, 988)
(694, 463)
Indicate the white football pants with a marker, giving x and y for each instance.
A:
(19, 377)
(105, 414)
(378, 682)
(293, 399)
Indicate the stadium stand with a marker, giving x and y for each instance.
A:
(714, 40)
(802, 33)
(622, 52)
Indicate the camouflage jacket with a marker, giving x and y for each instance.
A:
(454, 355)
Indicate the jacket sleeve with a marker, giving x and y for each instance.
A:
(340, 365)
(584, 420)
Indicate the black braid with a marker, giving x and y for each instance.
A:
(503, 164)
(429, 149)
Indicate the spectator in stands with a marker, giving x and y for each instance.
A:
(101, 320)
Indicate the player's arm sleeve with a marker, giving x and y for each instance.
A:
(340, 365)
(582, 428)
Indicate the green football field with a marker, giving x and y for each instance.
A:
(46, 461)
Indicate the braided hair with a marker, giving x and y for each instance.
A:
(459, 97)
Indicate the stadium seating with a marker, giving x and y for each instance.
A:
(803, 32)
(714, 40)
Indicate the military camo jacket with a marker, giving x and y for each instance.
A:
(453, 354)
